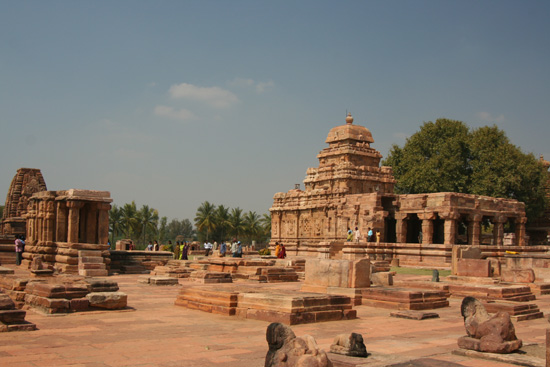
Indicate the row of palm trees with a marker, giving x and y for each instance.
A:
(220, 223)
(213, 223)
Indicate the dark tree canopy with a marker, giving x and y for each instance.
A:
(448, 156)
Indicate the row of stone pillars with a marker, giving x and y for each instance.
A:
(68, 221)
(451, 222)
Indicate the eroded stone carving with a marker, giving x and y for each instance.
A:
(492, 334)
(350, 345)
(286, 350)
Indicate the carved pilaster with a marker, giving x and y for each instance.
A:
(74, 221)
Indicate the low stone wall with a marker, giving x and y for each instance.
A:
(123, 261)
(415, 254)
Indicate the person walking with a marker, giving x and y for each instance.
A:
(357, 234)
(19, 248)
(282, 252)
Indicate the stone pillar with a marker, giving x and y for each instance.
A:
(40, 225)
(474, 229)
(450, 227)
(498, 230)
(91, 224)
(103, 223)
(520, 231)
(427, 227)
(401, 227)
(61, 222)
(74, 221)
(49, 225)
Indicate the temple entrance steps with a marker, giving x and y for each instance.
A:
(91, 263)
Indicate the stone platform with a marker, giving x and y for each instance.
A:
(62, 294)
(256, 270)
(516, 293)
(517, 311)
(12, 319)
(268, 305)
(403, 299)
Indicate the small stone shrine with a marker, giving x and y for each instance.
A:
(69, 230)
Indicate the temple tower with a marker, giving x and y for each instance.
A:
(25, 183)
(349, 164)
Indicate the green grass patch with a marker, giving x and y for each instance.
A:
(419, 271)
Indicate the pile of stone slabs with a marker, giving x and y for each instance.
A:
(286, 307)
(403, 299)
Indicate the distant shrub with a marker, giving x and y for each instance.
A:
(265, 251)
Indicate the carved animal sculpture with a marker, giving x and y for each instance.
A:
(493, 334)
(286, 350)
(350, 345)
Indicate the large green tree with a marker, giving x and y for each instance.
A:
(448, 156)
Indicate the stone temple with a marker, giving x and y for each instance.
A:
(350, 189)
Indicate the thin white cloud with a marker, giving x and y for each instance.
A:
(171, 113)
(260, 87)
(486, 116)
(214, 96)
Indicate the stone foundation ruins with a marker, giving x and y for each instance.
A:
(349, 189)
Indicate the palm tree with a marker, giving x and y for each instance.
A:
(147, 219)
(128, 220)
(163, 229)
(115, 222)
(236, 222)
(252, 225)
(222, 221)
(265, 221)
(205, 218)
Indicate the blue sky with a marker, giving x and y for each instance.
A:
(172, 103)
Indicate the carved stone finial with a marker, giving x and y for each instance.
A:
(349, 119)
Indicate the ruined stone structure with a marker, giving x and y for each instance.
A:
(349, 189)
(25, 183)
(69, 230)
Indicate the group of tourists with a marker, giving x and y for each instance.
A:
(280, 250)
(356, 235)
(181, 250)
(153, 246)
